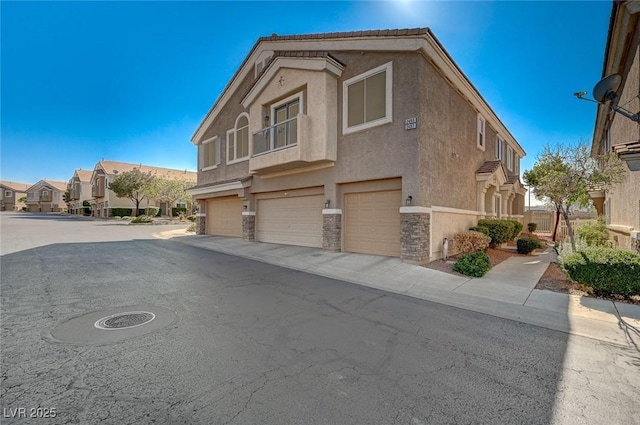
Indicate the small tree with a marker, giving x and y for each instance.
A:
(170, 191)
(565, 174)
(132, 185)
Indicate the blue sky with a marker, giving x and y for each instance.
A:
(131, 81)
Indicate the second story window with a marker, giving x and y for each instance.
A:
(209, 153)
(238, 140)
(367, 99)
(499, 147)
(481, 130)
(509, 158)
(8, 194)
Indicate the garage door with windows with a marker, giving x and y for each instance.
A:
(224, 217)
(372, 222)
(290, 221)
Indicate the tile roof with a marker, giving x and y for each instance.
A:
(489, 167)
(114, 167)
(349, 34)
(17, 187)
(84, 175)
(61, 186)
(513, 179)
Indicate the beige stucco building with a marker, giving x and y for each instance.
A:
(371, 142)
(615, 132)
(80, 190)
(103, 200)
(10, 195)
(46, 196)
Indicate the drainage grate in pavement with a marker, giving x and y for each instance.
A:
(125, 320)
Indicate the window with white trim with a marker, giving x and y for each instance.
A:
(55, 195)
(8, 194)
(499, 147)
(509, 158)
(481, 131)
(367, 99)
(238, 140)
(209, 153)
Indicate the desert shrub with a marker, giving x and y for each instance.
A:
(500, 231)
(607, 270)
(471, 241)
(142, 219)
(594, 233)
(117, 217)
(120, 211)
(152, 211)
(126, 217)
(475, 264)
(532, 227)
(192, 228)
(191, 218)
(526, 245)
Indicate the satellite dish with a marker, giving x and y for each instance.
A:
(607, 88)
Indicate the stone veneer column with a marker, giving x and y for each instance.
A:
(201, 218)
(332, 230)
(249, 226)
(415, 228)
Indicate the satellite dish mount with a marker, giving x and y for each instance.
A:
(607, 91)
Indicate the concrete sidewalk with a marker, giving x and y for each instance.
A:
(507, 290)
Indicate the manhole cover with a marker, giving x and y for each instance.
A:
(125, 320)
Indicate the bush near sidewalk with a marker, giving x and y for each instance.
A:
(500, 231)
(468, 242)
(609, 271)
(475, 264)
(526, 245)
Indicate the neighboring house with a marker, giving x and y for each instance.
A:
(10, 195)
(616, 133)
(103, 200)
(371, 141)
(80, 190)
(46, 196)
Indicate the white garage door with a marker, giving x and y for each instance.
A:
(372, 222)
(224, 217)
(291, 221)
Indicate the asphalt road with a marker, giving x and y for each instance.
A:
(242, 342)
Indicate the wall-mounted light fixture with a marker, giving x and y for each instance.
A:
(408, 200)
(244, 207)
(327, 203)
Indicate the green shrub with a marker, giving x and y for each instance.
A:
(120, 212)
(517, 228)
(191, 218)
(475, 264)
(175, 211)
(152, 211)
(117, 217)
(532, 227)
(500, 231)
(594, 233)
(607, 270)
(481, 229)
(471, 241)
(126, 217)
(526, 245)
(142, 219)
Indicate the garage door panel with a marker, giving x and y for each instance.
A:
(372, 222)
(224, 217)
(291, 221)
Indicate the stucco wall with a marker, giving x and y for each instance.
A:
(624, 198)
(445, 224)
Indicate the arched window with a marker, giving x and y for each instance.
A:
(238, 140)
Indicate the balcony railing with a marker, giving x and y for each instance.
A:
(278, 136)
